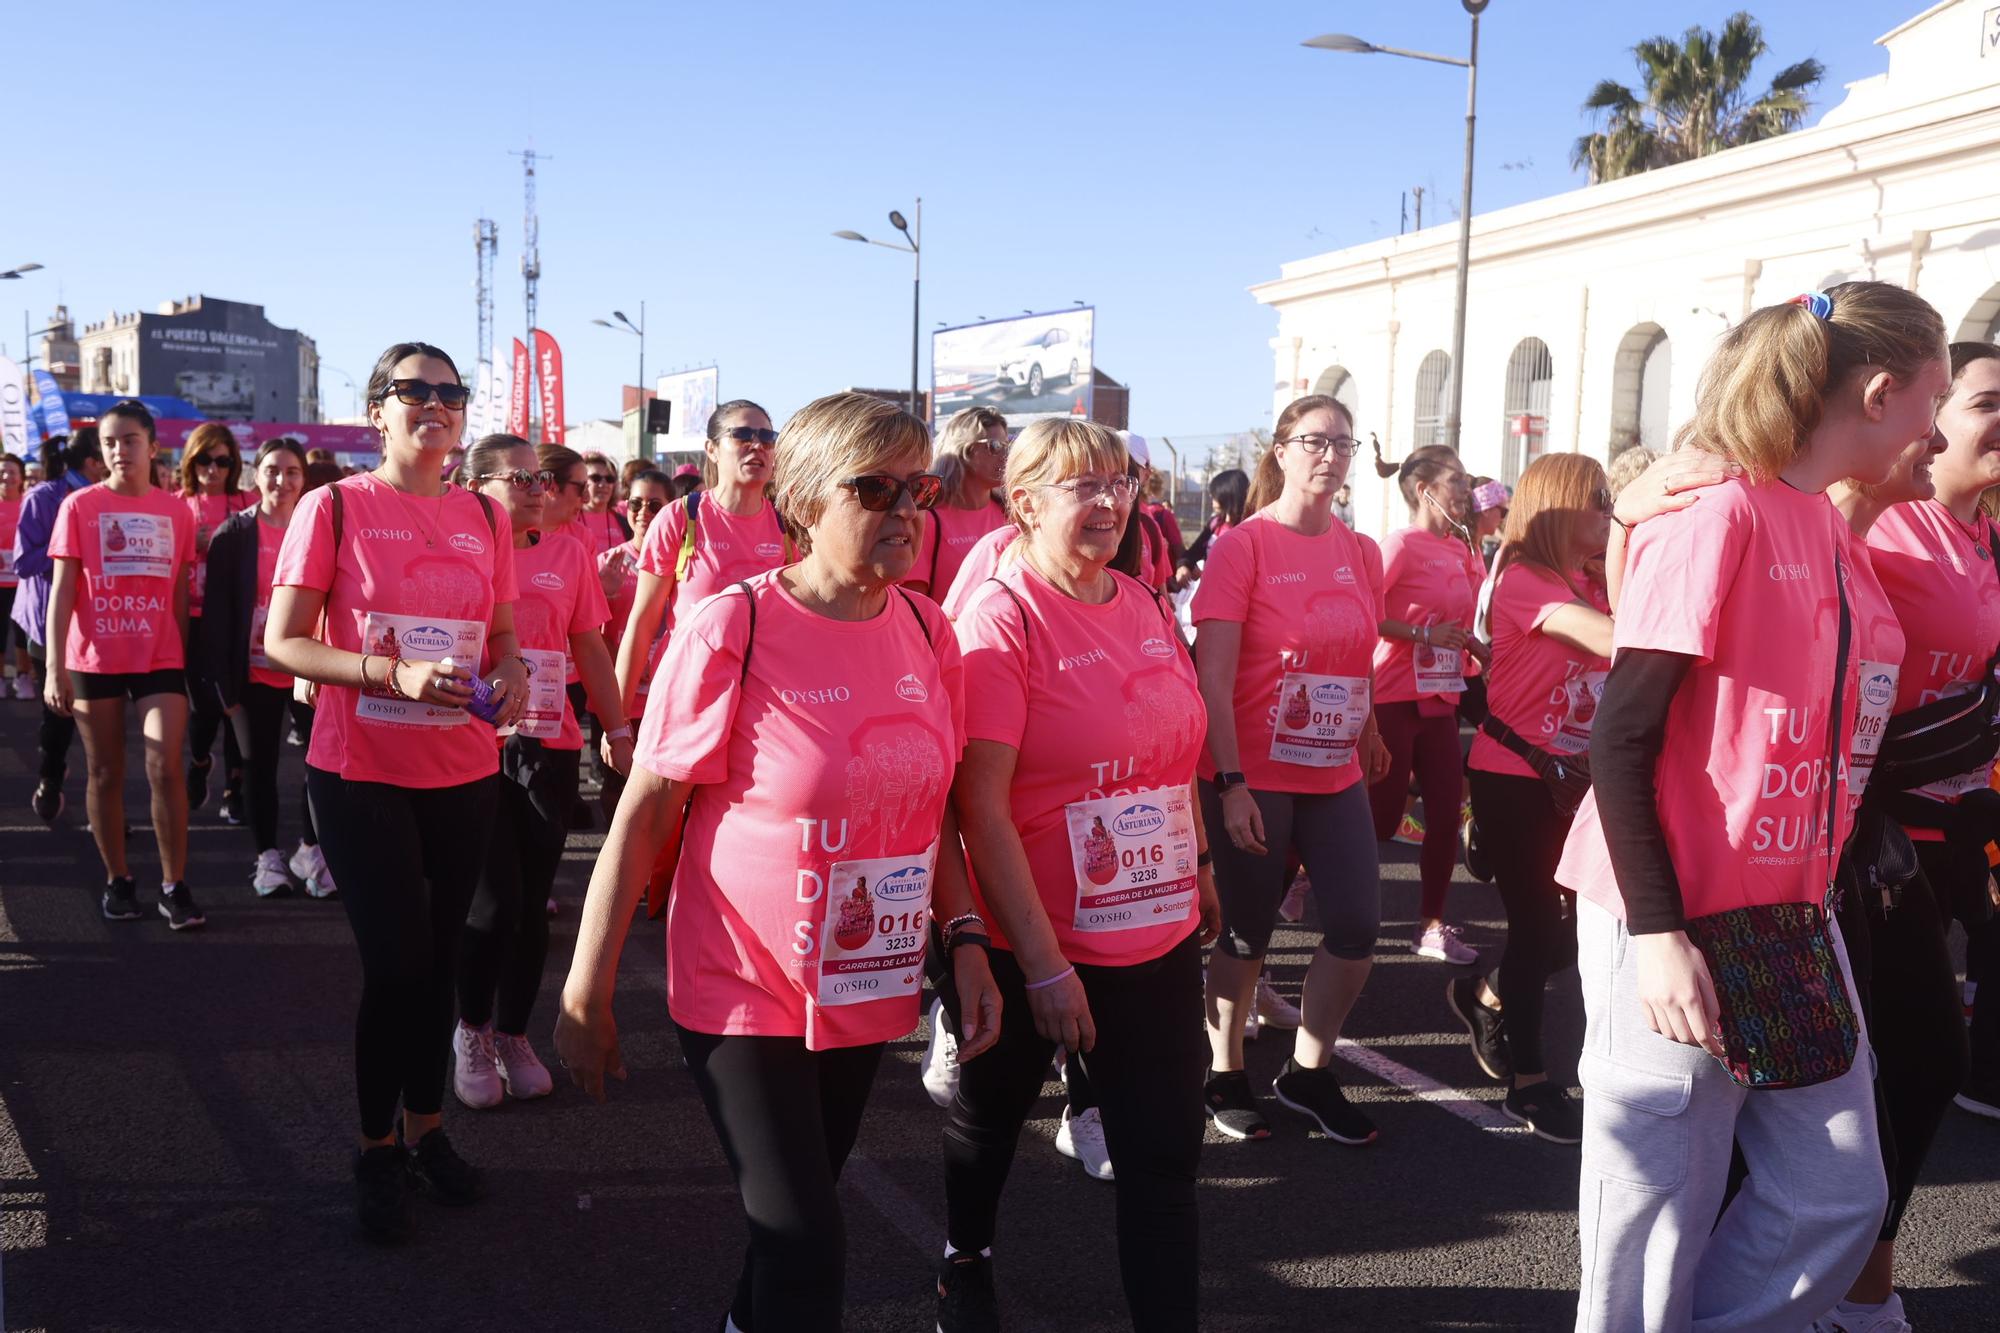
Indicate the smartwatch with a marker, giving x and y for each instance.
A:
(1224, 781)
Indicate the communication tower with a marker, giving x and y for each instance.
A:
(531, 269)
(486, 236)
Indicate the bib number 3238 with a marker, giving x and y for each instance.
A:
(1134, 858)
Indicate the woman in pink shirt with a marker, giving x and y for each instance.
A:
(1712, 758)
(1421, 663)
(646, 497)
(1551, 634)
(600, 525)
(13, 643)
(392, 587)
(972, 458)
(211, 470)
(797, 752)
(116, 634)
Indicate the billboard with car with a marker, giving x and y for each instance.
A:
(1026, 367)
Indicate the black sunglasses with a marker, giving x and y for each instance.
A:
(601, 479)
(745, 434)
(416, 393)
(644, 506)
(878, 493)
(212, 460)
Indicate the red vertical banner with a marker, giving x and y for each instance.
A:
(548, 361)
(517, 397)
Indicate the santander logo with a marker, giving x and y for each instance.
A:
(912, 690)
(466, 542)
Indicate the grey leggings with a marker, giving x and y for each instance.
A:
(1334, 838)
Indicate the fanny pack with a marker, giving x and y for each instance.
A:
(1567, 776)
(1787, 1020)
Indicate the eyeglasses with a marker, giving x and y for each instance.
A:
(601, 479)
(878, 493)
(745, 434)
(997, 446)
(1090, 490)
(520, 478)
(212, 460)
(1344, 445)
(416, 393)
(1603, 499)
(644, 506)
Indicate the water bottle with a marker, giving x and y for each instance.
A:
(482, 705)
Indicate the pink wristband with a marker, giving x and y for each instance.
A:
(1049, 981)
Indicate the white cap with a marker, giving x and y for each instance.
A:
(1135, 445)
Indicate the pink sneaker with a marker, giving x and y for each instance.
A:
(1293, 908)
(1442, 943)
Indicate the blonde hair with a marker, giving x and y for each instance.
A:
(962, 430)
(830, 439)
(1764, 391)
(1627, 466)
(1053, 449)
(1555, 496)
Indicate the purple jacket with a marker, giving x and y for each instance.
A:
(31, 552)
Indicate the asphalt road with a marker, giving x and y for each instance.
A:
(176, 1112)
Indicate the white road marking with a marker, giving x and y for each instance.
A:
(1424, 1087)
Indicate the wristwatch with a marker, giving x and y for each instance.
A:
(1224, 781)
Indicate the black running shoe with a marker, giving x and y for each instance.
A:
(231, 809)
(382, 1193)
(198, 783)
(1484, 1023)
(1227, 1099)
(177, 906)
(121, 900)
(966, 1303)
(1316, 1095)
(437, 1165)
(47, 801)
(1548, 1110)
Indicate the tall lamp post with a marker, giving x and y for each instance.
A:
(1340, 41)
(353, 389)
(915, 249)
(27, 353)
(638, 331)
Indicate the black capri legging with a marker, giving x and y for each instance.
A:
(259, 726)
(506, 938)
(1522, 834)
(1334, 837)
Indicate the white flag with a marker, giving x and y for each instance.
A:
(13, 410)
(479, 417)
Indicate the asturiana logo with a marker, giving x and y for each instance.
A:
(428, 639)
(548, 579)
(1879, 688)
(1345, 574)
(466, 542)
(1332, 694)
(1137, 820)
(769, 550)
(1156, 648)
(911, 689)
(905, 885)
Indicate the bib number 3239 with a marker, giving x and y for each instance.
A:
(1134, 858)
(1319, 719)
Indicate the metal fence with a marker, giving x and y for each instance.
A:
(1188, 461)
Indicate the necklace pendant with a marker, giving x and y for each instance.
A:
(1982, 552)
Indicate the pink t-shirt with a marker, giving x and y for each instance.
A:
(559, 596)
(210, 512)
(597, 531)
(1743, 583)
(1427, 580)
(936, 562)
(1877, 656)
(1309, 607)
(1102, 706)
(417, 573)
(133, 552)
(269, 541)
(727, 549)
(1547, 691)
(10, 519)
(825, 765)
(625, 558)
(981, 559)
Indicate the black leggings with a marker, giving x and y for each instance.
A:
(259, 727)
(1522, 834)
(10, 633)
(1146, 1073)
(206, 718)
(407, 860)
(506, 938)
(787, 1118)
(57, 731)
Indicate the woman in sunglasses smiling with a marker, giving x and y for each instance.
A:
(972, 460)
(211, 468)
(391, 587)
(598, 525)
(799, 743)
(710, 541)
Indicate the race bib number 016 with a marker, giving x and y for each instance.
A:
(543, 717)
(1319, 719)
(136, 546)
(1134, 858)
(877, 924)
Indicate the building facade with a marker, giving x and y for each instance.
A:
(225, 357)
(1590, 314)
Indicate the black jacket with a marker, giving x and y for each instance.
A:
(227, 604)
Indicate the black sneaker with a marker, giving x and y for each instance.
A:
(198, 783)
(1980, 1095)
(231, 809)
(47, 802)
(177, 906)
(966, 1303)
(382, 1192)
(437, 1165)
(1549, 1110)
(581, 818)
(1316, 1095)
(1484, 1023)
(1227, 1099)
(121, 900)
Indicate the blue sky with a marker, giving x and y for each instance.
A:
(1152, 160)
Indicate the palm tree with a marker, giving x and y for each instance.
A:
(1694, 103)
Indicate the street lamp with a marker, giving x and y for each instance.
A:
(916, 250)
(1340, 41)
(638, 331)
(27, 346)
(352, 388)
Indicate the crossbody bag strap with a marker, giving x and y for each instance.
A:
(1535, 756)
(1834, 722)
(750, 596)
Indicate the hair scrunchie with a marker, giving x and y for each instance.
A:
(1818, 302)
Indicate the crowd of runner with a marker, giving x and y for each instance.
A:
(875, 714)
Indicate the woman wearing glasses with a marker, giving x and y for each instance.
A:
(711, 540)
(598, 524)
(557, 620)
(211, 468)
(1420, 667)
(972, 459)
(646, 497)
(797, 750)
(392, 587)
(1286, 610)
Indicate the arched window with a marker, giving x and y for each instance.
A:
(1639, 384)
(1338, 385)
(1530, 376)
(1981, 323)
(1433, 399)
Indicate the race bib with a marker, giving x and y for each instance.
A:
(136, 546)
(1134, 858)
(259, 614)
(1319, 719)
(1583, 694)
(543, 717)
(1878, 696)
(1439, 670)
(420, 639)
(878, 914)
(7, 578)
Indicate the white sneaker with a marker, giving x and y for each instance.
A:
(520, 1068)
(309, 864)
(1273, 1008)
(269, 877)
(941, 1058)
(24, 687)
(1844, 1318)
(1442, 943)
(475, 1073)
(1082, 1137)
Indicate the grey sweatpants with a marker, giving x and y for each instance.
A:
(1658, 1122)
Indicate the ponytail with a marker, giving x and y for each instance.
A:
(1383, 467)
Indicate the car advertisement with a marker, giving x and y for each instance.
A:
(1027, 367)
(692, 394)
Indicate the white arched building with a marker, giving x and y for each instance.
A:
(1591, 313)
